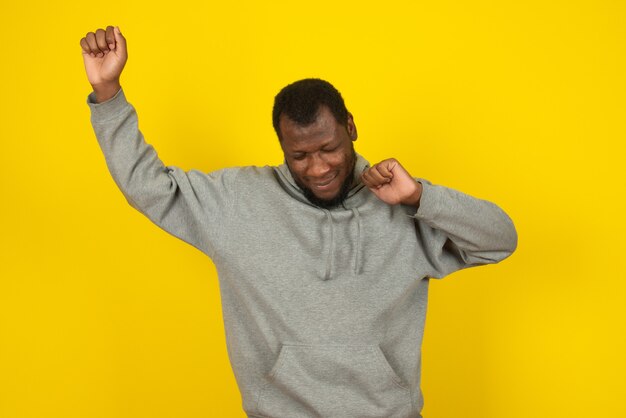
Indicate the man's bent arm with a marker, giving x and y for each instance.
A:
(459, 231)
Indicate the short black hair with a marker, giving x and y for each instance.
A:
(300, 101)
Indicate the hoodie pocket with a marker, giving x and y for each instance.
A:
(333, 381)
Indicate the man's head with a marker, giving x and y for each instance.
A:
(316, 132)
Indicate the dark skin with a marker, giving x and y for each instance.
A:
(104, 55)
(320, 156)
(392, 184)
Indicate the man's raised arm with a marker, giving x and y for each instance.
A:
(189, 205)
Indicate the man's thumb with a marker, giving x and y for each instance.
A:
(119, 38)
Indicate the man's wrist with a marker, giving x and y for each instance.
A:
(105, 91)
(414, 199)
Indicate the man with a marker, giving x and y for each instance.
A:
(323, 262)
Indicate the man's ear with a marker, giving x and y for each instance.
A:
(351, 126)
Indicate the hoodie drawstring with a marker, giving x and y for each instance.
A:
(331, 247)
(357, 255)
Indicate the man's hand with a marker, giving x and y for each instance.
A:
(104, 54)
(392, 184)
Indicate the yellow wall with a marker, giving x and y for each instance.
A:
(102, 314)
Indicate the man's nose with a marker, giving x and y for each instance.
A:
(318, 167)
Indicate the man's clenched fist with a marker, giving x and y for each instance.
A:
(104, 54)
(392, 183)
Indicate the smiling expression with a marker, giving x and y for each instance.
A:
(320, 156)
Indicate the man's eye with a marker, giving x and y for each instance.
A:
(298, 157)
(331, 149)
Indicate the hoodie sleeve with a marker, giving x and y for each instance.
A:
(460, 231)
(188, 205)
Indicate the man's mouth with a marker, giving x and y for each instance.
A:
(324, 184)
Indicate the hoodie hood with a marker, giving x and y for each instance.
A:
(351, 203)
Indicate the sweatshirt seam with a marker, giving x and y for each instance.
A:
(112, 105)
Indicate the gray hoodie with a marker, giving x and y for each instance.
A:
(323, 310)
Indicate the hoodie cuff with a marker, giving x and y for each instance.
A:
(430, 201)
(109, 109)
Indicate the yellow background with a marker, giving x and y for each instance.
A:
(102, 314)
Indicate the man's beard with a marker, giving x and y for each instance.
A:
(341, 196)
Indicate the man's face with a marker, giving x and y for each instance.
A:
(320, 156)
